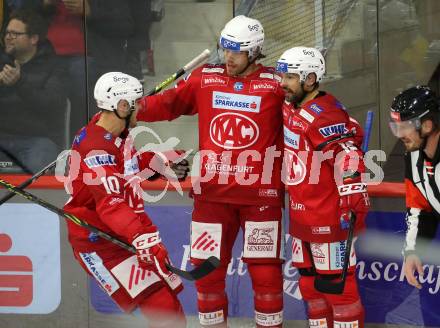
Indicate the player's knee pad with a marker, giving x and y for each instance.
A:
(212, 301)
(349, 315)
(319, 310)
(320, 313)
(163, 309)
(267, 282)
(347, 307)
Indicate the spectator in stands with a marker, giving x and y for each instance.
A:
(139, 48)
(66, 21)
(118, 32)
(32, 93)
(116, 28)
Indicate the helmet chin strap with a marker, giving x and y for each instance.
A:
(127, 118)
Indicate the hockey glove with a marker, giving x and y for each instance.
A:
(181, 169)
(171, 165)
(152, 255)
(353, 199)
(150, 251)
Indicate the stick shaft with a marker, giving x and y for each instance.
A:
(26, 183)
(188, 67)
(368, 128)
(65, 215)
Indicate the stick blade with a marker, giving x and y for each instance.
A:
(329, 286)
(201, 271)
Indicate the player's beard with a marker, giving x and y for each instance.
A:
(411, 144)
(294, 97)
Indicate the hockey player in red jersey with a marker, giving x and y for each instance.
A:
(105, 170)
(323, 166)
(240, 140)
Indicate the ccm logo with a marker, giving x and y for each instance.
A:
(148, 240)
(352, 188)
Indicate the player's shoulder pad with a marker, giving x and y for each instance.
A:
(204, 70)
(91, 139)
(324, 108)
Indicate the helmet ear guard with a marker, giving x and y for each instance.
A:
(243, 34)
(113, 87)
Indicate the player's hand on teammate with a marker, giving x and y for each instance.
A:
(171, 165)
(181, 169)
(412, 265)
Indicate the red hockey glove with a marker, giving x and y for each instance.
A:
(354, 199)
(152, 255)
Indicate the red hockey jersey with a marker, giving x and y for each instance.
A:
(240, 132)
(313, 137)
(105, 188)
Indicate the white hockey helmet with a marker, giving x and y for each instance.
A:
(112, 87)
(242, 33)
(302, 61)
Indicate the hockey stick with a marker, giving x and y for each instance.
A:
(16, 160)
(204, 55)
(368, 127)
(29, 181)
(329, 286)
(199, 272)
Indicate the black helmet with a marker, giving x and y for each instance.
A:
(414, 102)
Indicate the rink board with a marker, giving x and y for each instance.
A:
(385, 294)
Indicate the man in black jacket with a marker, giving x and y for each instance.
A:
(32, 93)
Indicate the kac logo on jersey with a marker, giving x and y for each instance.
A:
(294, 169)
(291, 139)
(100, 160)
(238, 86)
(331, 130)
(232, 101)
(233, 131)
